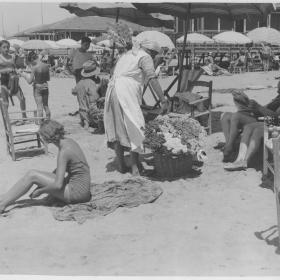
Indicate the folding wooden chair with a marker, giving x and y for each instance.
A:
(268, 164)
(197, 107)
(16, 135)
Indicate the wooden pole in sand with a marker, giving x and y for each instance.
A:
(184, 46)
(114, 44)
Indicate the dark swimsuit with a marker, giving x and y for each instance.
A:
(78, 181)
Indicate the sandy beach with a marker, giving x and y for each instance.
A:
(207, 225)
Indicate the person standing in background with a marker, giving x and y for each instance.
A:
(76, 60)
(77, 57)
(39, 77)
(266, 54)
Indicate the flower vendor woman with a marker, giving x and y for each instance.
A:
(123, 118)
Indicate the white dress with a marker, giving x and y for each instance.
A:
(123, 118)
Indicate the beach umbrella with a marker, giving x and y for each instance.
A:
(68, 44)
(231, 37)
(53, 44)
(265, 35)
(126, 11)
(198, 9)
(16, 42)
(163, 40)
(35, 45)
(108, 43)
(195, 38)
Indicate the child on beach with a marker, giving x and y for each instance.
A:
(40, 75)
(86, 91)
(71, 188)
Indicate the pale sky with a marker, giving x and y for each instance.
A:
(23, 15)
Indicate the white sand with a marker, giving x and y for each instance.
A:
(199, 226)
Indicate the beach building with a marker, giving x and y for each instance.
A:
(77, 27)
(211, 25)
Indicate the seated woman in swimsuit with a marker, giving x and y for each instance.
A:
(253, 134)
(73, 188)
(233, 123)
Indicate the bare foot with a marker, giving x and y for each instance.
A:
(135, 171)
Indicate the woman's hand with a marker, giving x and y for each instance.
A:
(164, 106)
(253, 105)
(36, 193)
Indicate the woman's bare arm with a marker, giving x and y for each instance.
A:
(60, 172)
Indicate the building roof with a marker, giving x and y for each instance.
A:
(87, 24)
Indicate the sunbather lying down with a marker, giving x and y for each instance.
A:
(248, 112)
(73, 188)
(213, 69)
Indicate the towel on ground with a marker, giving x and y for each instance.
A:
(107, 197)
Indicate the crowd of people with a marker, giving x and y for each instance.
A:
(124, 122)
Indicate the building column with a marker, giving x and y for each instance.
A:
(192, 24)
(245, 25)
(218, 24)
(234, 25)
(268, 24)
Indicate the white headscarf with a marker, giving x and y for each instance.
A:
(146, 44)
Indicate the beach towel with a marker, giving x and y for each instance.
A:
(107, 197)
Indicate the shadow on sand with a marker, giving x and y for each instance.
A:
(270, 237)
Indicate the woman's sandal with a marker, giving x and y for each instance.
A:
(236, 166)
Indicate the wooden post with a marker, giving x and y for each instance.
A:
(184, 46)
(218, 24)
(114, 45)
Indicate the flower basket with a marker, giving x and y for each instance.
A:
(175, 140)
(172, 166)
(96, 120)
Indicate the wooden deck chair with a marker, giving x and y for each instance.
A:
(267, 152)
(276, 159)
(16, 135)
(184, 101)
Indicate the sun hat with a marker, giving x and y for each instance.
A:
(90, 68)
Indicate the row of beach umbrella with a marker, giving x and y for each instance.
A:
(258, 35)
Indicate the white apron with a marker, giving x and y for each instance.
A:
(128, 81)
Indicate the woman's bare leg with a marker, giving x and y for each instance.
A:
(39, 103)
(135, 163)
(21, 98)
(238, 120)
(32, 177)
(245, 140)
(255, 142)
(120, 157)
(225, 124)
(45, 97)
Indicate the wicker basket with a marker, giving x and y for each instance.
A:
(168, 166)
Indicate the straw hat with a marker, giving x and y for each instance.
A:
(89, 69)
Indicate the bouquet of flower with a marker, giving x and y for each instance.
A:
(120, 34)
(175, 135)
